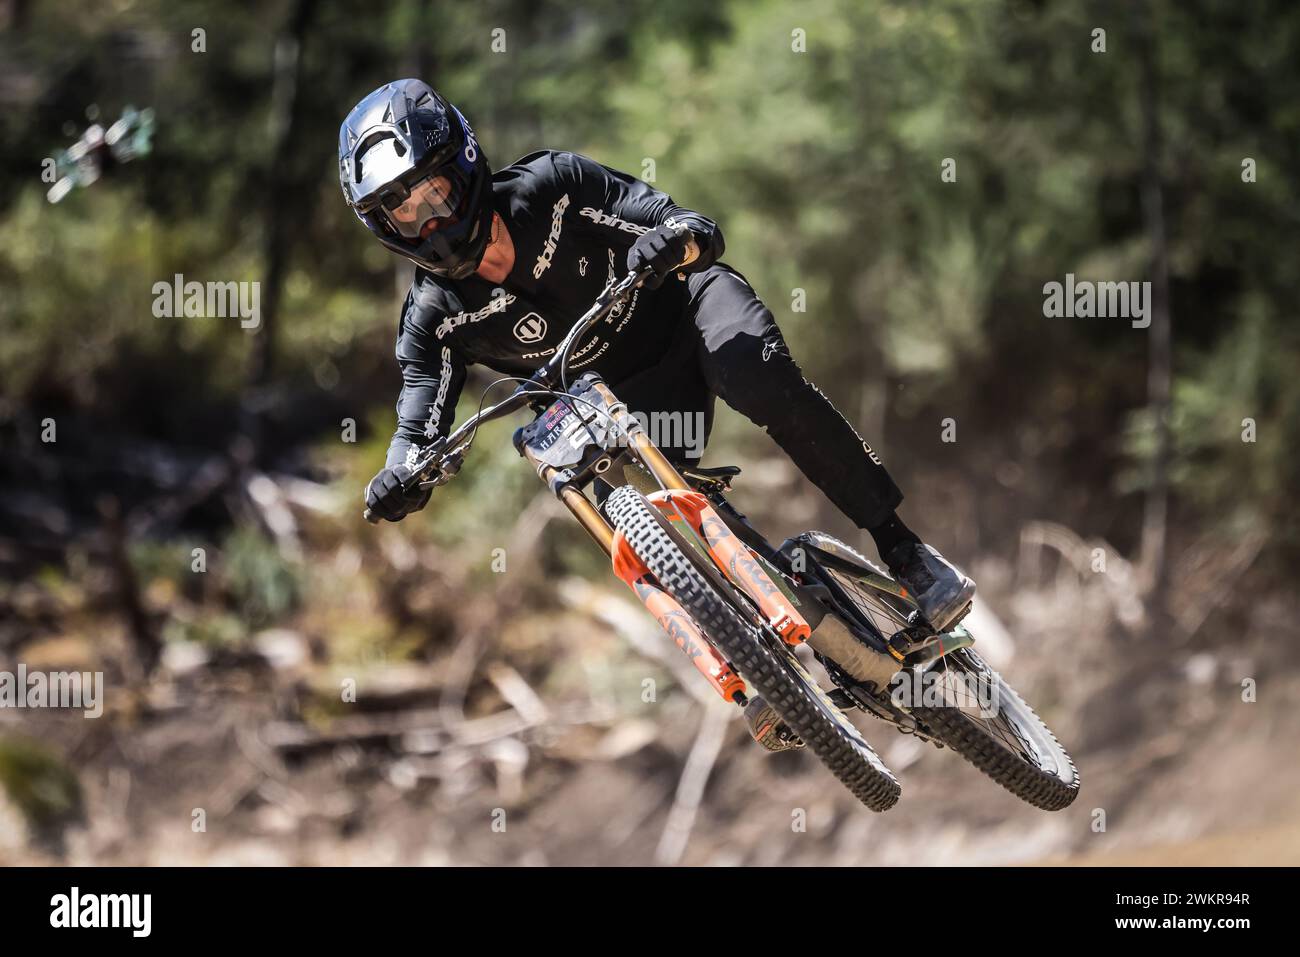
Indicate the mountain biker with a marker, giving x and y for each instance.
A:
(505, 261)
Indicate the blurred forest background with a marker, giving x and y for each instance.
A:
(1075, 438)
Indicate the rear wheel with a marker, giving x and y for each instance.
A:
(964, 704)
(983, 719)
(760, 657)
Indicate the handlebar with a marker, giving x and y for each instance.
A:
(438, 464)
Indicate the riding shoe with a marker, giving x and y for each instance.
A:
(940, 590)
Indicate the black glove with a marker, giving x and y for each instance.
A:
(662, 249)
(386, 498)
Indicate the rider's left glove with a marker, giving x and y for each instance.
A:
(664, 249)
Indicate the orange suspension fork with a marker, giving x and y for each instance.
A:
(736, 561)
(674, 620)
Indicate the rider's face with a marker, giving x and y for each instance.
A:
(428, 208)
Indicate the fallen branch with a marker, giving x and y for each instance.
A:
(690, 788)
(428, 725)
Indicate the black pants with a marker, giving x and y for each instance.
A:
(728, 345)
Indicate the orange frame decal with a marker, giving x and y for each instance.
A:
(736, 561)
(674, 620)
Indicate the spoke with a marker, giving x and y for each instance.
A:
(884, 616)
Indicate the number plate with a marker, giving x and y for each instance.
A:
(559, 438)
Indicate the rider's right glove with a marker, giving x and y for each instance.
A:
(387, 499)
(665, 249)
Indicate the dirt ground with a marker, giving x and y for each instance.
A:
(238, 763)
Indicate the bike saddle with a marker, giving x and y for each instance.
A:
(720, 475)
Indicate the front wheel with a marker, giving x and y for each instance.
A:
(763, 660)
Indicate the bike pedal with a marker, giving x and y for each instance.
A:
(960, 615)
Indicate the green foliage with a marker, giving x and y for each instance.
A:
(923, 297)
(44, 789)
(262, 584)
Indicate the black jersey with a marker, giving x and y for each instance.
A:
(572, 222)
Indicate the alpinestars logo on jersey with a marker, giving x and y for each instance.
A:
(557, 226)
(602, 218)
(434, 421)
(498, 304)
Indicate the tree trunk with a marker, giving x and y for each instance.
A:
(284, 214)
(1154, 560)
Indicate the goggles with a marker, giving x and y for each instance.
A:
(432, 203)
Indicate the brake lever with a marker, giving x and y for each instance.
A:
(446, 469)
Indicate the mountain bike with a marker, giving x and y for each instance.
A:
(753, 616)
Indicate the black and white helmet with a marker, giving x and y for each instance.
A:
(413, 172)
